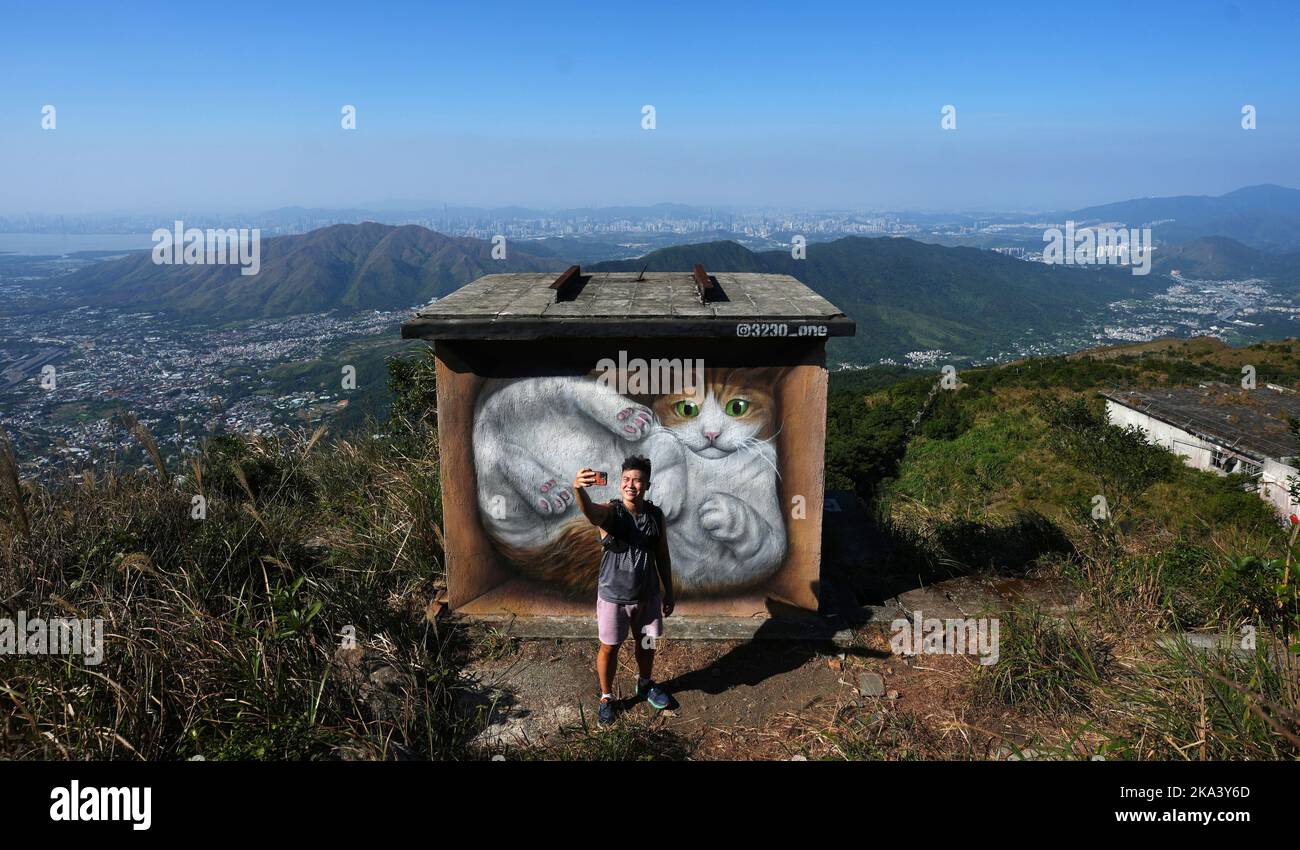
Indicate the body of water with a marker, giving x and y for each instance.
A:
(60, 244)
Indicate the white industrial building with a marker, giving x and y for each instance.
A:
(1223, 429)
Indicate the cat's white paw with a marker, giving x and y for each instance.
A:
(669, 499)
(723, 517)
(666, 458)
(669, 490)
(554, 497)
(633, 422)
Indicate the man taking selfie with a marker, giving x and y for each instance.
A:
(628, 595)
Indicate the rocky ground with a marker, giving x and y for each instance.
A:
(766, 699)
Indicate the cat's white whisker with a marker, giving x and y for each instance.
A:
(753, 445)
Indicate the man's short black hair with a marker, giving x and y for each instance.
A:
(638, 462)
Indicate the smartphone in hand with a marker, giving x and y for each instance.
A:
(602, 478)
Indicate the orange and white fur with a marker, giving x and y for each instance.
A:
(714, 474)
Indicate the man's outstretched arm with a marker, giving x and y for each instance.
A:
(601, 516)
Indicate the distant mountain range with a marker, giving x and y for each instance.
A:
(905, 295)
(347, 267)
(1221, 258)
(913, 296)
(1265, 217)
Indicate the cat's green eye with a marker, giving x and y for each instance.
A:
(737, 407)
(687, 408)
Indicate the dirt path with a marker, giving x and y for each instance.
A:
(760, 699)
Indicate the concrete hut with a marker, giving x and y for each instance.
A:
(719, 379)
(1223, 429)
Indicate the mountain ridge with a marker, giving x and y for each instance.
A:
(1224, 258)
(367, 266)
(1265, 216)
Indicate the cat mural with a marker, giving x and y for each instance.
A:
(715, 474)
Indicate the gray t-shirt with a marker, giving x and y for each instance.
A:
(629, 572)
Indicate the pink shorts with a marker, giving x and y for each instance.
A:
(644, 618)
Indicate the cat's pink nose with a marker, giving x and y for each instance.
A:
(712, 435)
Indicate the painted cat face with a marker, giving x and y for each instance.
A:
(727, 415)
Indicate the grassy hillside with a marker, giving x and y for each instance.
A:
(231, 633)
(287, 621)
(999, 480)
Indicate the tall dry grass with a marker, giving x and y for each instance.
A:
(266, 604)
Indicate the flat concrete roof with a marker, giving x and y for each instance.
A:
(1253, 422)
(526, 306)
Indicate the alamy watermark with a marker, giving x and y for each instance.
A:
(194, 246)
(1096, 246)
(53, 636)
(99, 803)
(657, 376)
(946, 637)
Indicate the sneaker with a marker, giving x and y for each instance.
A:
(653, 694)
(605, 715)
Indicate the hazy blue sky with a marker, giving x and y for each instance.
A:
(237, 107)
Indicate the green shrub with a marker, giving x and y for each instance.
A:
(1045, 665)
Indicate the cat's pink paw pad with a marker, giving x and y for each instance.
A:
(556, 497)
(636, 421)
